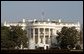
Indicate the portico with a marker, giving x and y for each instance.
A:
(41, 36)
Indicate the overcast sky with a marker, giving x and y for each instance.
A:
(13, 11)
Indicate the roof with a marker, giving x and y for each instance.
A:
(52, 21)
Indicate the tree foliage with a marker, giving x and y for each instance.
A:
(12, 37)
(6, 41)
(18, 35)
(68, 36)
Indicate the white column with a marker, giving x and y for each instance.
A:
(49, 35)
(49, 39)
(38, 35)
(49, 32)
(31, 43)
(44, 36)
(44, 39)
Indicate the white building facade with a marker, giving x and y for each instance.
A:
(42, 33)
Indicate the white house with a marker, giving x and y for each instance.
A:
(42, 33)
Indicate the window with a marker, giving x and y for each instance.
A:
(41, 30)
(36, 31)
(47, 31)
(36, 39)
(51, 31)
(46, 39)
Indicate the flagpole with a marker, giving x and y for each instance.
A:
(42, 15)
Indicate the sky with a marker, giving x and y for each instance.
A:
(14, 11)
